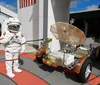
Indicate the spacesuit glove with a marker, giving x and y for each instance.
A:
(22, 51)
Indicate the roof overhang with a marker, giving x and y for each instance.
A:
(93, 14)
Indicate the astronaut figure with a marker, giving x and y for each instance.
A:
(14, 43)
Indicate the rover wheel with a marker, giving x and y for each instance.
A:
(85, 71)
(21, 61)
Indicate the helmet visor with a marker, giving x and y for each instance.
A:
(14, 27)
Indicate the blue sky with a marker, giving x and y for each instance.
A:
(12, 4)
(79, 5)
(76, 5)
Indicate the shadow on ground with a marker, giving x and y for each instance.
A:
(68, 75)
(96, 63)
(47, 68)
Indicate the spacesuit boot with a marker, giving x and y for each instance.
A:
(15, 66)
(9, 69)
(10, 74)
(17, 70)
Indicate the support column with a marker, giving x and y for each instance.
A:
(86, 28)
(58, 11)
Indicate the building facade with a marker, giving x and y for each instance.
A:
(37, 16)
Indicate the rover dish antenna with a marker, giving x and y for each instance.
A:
(68, 33)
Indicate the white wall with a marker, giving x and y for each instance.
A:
(25, 15)
(36, 19)
(41, 16)
(29, 17)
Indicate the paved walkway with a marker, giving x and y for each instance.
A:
(45, 74)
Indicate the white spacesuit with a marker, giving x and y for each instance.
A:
(14, 43)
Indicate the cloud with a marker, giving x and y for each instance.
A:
(87, 0)
(8, 6)
(11, 7)
(74, 4)
(2, 3)
(92, 7)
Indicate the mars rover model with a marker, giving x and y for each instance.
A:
(73, 53)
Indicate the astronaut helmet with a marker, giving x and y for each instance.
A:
(13, 25)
